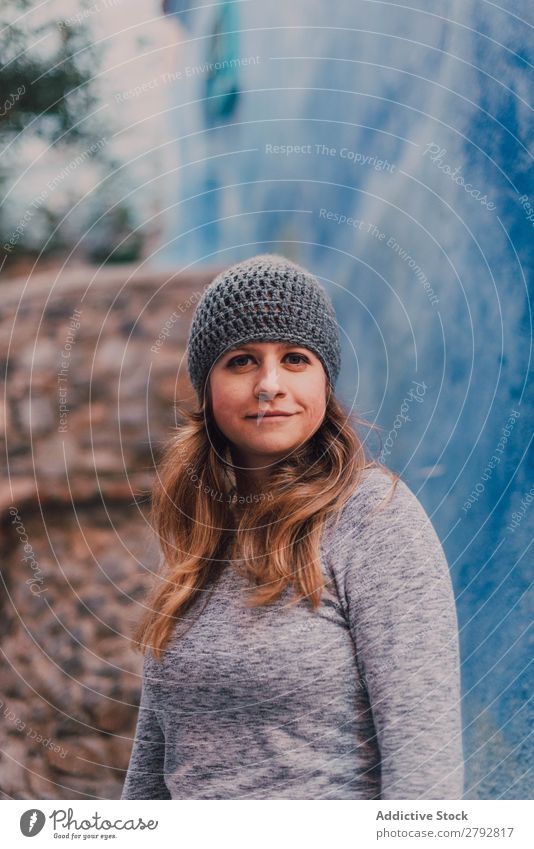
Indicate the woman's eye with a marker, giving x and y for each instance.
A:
(299, 357)
(241, 359)
(235, 360)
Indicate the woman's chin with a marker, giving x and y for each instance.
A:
(268, 450)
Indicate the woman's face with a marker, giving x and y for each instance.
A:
(251, 382)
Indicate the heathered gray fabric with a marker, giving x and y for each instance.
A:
(266, 298)
(359, 700)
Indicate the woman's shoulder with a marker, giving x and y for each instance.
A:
(385, 547)
(376, 482)
(383, 507)
(377, 489)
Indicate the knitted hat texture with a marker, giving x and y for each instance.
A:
(266, 298)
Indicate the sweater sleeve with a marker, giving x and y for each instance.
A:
(145, 774)
(402, 616)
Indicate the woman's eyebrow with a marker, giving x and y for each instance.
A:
(252, 347)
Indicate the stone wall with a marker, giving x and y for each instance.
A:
(92, 366)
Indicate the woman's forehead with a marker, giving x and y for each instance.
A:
(276, 345)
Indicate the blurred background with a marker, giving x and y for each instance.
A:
(145, 146)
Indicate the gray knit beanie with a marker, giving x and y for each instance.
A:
(266, 298)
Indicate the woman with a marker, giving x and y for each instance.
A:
(302, 642)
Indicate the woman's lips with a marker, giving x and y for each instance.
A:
(263, 416)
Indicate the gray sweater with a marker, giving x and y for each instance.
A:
(359, 700)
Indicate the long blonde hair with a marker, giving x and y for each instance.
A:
(277, 536)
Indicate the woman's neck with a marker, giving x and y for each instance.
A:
(251, 481)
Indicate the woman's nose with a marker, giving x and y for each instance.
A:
(269, 379)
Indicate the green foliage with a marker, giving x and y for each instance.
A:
(113, 240)
(47, 93)
(44, 77)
